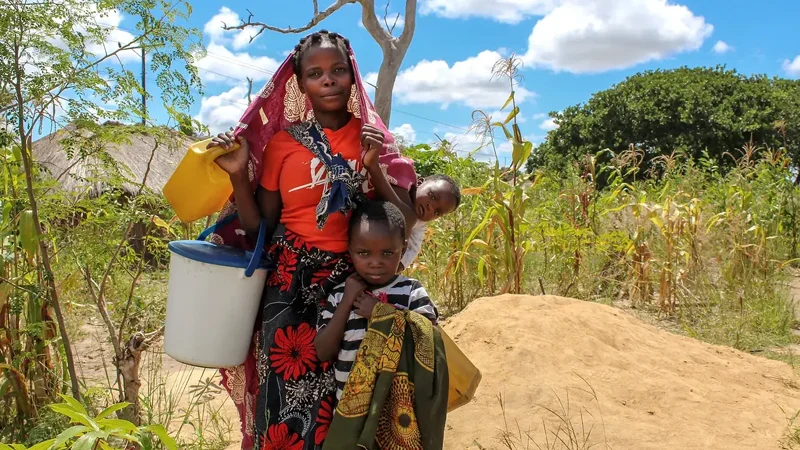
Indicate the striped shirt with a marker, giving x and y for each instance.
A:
(402, 293)
(415, 241)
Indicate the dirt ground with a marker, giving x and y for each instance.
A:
(605, 373)
(654, 389)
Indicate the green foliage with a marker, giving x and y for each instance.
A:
(683, 111)
(56, 66)
(100, 432)
(706, 247)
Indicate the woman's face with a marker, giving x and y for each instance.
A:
(326, 78)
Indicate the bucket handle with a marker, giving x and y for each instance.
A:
(255, 256)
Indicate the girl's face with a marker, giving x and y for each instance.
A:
(326, 78)
(376, 251)
(434, 199)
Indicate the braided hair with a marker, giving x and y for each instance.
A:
(315, 40)
(378, 211)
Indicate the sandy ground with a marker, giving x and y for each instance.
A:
(652, 389)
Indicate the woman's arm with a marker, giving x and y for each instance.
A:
(270, 206)
(251, 207)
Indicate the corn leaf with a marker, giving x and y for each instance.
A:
(508, 102)
(511, 115)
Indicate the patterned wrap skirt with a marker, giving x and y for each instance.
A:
(295, 394)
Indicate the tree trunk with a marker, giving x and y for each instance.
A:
(386, 79)
(128, 366)
(49, 279)
(394, 51)
(44, 254)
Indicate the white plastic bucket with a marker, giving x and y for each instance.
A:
(212, 302)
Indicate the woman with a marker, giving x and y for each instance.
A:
(312, 121)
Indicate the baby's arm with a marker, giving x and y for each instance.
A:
(393, 194)
(331, 328)
(415, 241)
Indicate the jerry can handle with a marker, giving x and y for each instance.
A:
(255, 257)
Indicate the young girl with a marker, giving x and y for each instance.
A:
(299, 164)
(391, 388)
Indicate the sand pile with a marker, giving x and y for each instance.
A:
(654, 389)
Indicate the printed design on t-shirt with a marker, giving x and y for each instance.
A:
(319, 176)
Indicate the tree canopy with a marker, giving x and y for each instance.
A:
(687, 111)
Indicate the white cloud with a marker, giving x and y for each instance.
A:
(792, 67)
(548, 125)
(508, 11)
(468, 82)
(238, 39)
(722, 47)
(405, 131)
(222, 65)
(583, 36)
(220, 112)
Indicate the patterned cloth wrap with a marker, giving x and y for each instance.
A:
(279, 106)
(396, 395)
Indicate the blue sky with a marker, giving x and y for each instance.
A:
(571, 49)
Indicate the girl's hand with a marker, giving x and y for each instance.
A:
(372, 140)
(364, 304)
(353, 287)
(233, 163)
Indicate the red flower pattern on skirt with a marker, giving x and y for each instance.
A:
(287, 265)
(324, 419)
(293, 353)
(278, 437)
(320, 276)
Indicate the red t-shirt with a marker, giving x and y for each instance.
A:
(292, 169)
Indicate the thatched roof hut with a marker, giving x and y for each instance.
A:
(81, 171)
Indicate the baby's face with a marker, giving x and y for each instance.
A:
(434, 199)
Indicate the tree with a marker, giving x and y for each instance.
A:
(687, 111)
(394, 49)
(57, 62)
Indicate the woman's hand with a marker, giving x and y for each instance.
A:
(364, 304)
(233, 163)
(372, 140)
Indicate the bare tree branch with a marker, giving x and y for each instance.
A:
(374, 27)
(386, 19)
(410, 25)
(317, 18)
